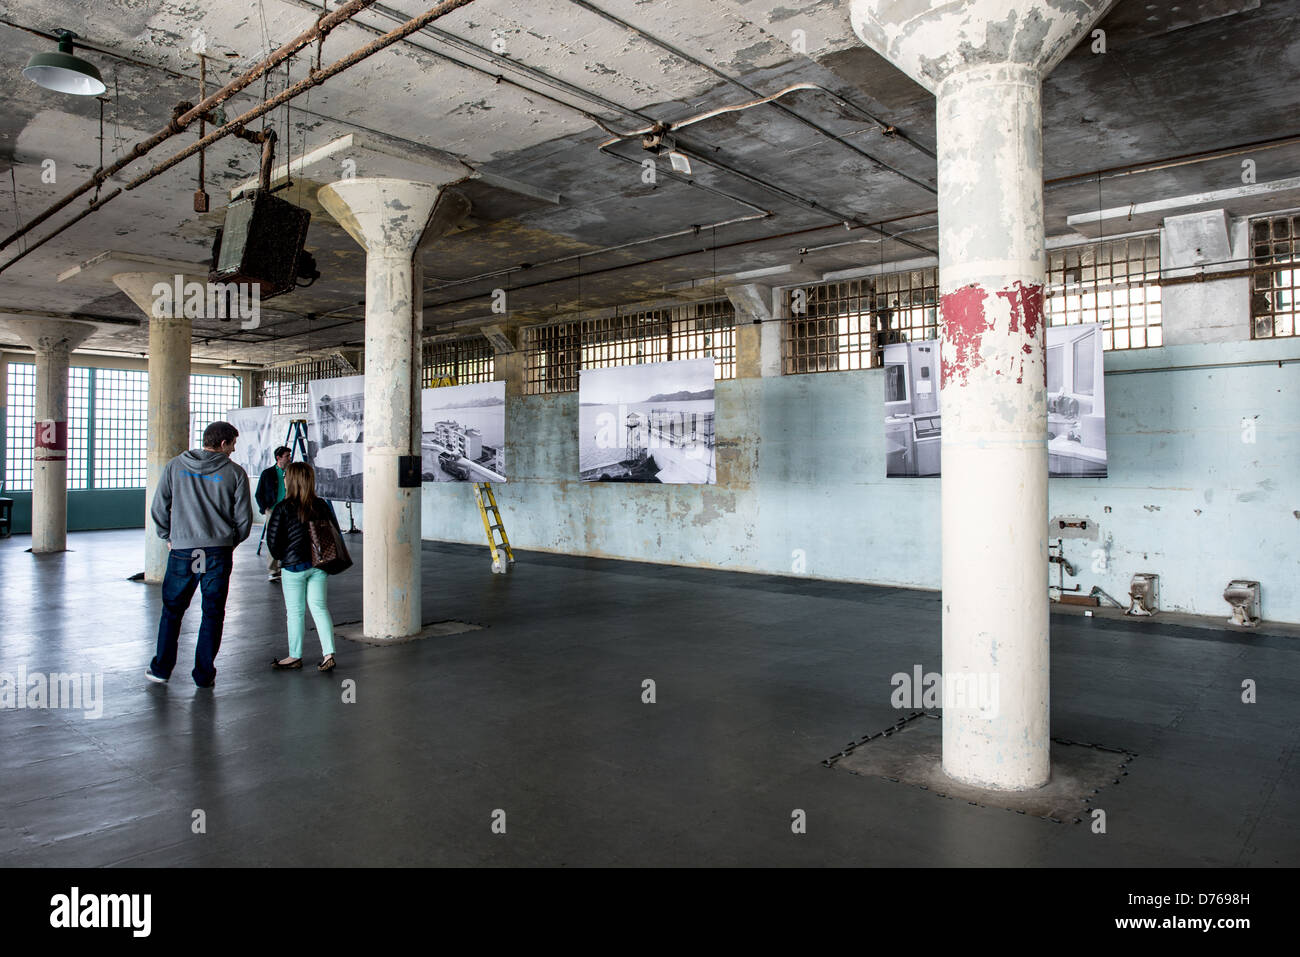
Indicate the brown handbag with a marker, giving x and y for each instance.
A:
(328, 553)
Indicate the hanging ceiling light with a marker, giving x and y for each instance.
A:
(63, 72)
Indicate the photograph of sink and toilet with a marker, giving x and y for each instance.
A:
(1076, 406)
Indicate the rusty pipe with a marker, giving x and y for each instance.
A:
(316, 78)
(184, 118)
(268, 158)
(237, 126)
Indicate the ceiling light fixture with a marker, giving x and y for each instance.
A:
(63, 72)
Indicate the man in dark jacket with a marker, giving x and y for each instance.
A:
(270, 490)
(202, 509)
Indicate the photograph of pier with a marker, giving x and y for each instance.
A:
(464, 433)
(648, 423)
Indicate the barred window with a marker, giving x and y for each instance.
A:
(80, 384)
(702, 330)
(19, 421)
(462, 360)
(551, 358)
(1273, 292)
(211, 397)
(121, 427)
(284, 388)
(1115, 283)
(836, 326)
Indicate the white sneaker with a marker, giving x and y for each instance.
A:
(148, 673)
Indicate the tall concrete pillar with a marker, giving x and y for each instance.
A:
(391, 218)
(53, 341)
(984, 60)
(758, 331)
(169, 393)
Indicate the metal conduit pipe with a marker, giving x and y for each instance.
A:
(181, 120)
(753, 92)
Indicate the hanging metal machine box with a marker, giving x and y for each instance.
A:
(260, 243)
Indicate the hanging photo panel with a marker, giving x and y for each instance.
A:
(1076, 405)
(463, 436)
(648, 423)
(336, 436)
(255, 447)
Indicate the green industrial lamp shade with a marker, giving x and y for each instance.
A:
(63, 72)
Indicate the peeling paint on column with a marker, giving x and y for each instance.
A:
(964, 325)
(389, 218)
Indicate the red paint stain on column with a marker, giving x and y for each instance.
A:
(964, 325)
(1026, 314)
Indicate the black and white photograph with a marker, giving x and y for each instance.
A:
(912, 422)
(1076, 402)
(336, 436)
(463, 436)
(255, 448)
(1076, 406)
(648, 423)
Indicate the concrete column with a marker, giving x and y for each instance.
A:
(53, 342)
(984, 60)
(169, 393)
(753, 305)
(391, 218)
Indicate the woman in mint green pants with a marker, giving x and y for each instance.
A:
(289, 540)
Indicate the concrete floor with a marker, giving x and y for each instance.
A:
(539, 714)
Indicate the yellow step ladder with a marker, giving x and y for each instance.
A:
(502, 554)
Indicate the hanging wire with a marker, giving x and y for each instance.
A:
(203, 125)
(17, 215)
(98, 183)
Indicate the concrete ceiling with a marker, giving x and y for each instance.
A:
(1175, 79)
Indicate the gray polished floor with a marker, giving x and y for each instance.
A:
(540, 715)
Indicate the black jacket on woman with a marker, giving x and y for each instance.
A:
(287, 537)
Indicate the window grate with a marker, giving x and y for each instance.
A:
(121, 427)
(463, 360)
(211, 397)
(1115, 283)
(284, 388)
(703, 330)
(19, 422)
(79, 386)
(552, 357)
(845, 325)
(1274, 243)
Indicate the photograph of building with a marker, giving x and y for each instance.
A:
(336, 436)
(464, 433)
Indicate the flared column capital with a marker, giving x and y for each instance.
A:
(46, 336)
(930, 41)
(393, 217)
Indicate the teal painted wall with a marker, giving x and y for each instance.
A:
(802, 489)
(88, 509)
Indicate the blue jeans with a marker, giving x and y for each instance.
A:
(178, 588)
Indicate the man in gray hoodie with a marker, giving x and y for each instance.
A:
(202, 509)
